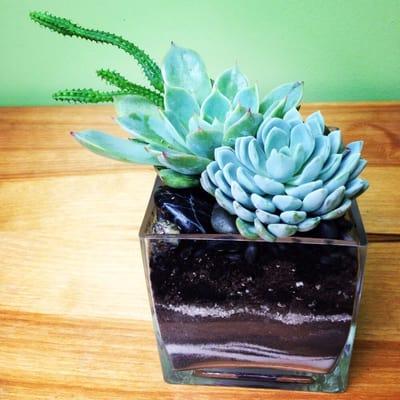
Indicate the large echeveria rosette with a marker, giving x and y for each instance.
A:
(286, 179)
(198, 116)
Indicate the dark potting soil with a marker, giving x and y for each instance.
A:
(317, 278)
(233, 302)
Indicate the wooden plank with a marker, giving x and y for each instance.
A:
(35, 141)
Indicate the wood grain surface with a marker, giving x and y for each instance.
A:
(74, 315)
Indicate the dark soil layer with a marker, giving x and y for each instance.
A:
(291, 277)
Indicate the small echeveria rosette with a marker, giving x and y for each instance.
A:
(286, 179)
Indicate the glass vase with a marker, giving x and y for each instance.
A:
(236, 312)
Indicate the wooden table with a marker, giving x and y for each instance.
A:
(74, 314)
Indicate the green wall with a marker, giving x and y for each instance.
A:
(343, 50)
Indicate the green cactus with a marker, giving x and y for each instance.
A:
(197, 118)
(68, 28)
(286, 179)
(116, 79)
(85, 95)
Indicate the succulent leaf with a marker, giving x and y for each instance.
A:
(276, 139)
(308, 224)
(153, 129)
(176, 123)
(276, 110)
(116, 148)
(280, 166)
(303, 190)
(181, 103)
(248, 99)
(176, 180)
(292, 91)
(234, 116)
(215, 106)
(330, 167)
(184, 68)
(313, 201)
(338, 212)
(246, 126)
(187, 164)
(262, 203)
(230, 82)
(246, 230)
(293, 217)
(203, 143)
(267, 217)
(282, 230)
(316, 123)
(126, 105)
(335, 138)
(206, 183)
(262, 232)
(224, 201)
(223, 184)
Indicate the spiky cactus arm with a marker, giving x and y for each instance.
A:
(68, 28)
(116, 79)
(86, 95)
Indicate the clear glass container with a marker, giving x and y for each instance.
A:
(236, 312)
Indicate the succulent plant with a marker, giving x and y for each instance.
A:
(198, 117)
(177, 126)
(286, 179)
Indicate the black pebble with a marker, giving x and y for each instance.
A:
(189, 209)
(222, 221)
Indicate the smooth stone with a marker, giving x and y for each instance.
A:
(250, 254)
(189, 209)
(222, 221)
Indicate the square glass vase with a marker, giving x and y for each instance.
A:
(236, 312)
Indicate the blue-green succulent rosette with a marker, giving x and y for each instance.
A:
(287, 178)
(275, 172)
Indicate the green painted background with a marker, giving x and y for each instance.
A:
(343, 50)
